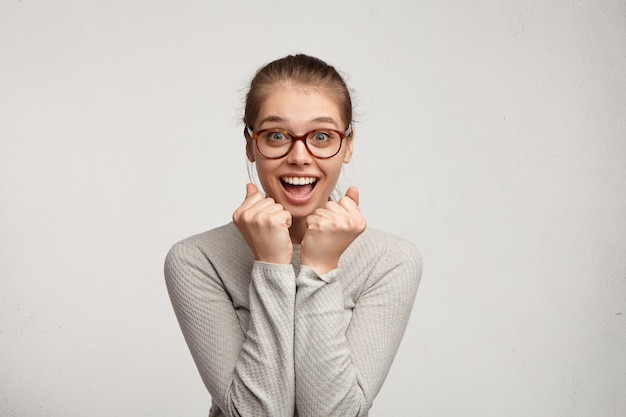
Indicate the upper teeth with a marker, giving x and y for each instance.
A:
(299, 180)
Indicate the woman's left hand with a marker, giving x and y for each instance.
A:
(330, 230)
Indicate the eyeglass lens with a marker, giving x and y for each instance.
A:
(278, 143)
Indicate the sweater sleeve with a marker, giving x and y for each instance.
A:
(342, 363)
(248, 372)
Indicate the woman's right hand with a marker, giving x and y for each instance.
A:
(264, 224)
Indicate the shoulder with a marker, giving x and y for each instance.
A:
(212, 249)
(374, 244)
(378, 255)
(220, 239)
(225, 234)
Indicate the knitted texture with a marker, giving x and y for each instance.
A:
(281, 340)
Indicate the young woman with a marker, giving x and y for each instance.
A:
(294, 308)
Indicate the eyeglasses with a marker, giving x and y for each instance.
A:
(276, 143)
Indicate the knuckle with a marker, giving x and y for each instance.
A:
(248, 217)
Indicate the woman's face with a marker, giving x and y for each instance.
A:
(299, 110)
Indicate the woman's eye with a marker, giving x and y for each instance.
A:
(321, 137)
(277, 137)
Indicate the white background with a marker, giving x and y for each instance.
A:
(490, 133)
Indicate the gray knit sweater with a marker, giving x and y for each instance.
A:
(280, 340)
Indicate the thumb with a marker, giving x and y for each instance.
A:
(353, 194)
(251, 189)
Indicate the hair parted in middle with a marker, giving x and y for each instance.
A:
(300, 70)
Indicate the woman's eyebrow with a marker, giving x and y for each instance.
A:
(325, 120)
(278, 119)
(272, 119)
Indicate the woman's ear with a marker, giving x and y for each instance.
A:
(348, 155)
(249, 144)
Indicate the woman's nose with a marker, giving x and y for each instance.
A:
(299, 154)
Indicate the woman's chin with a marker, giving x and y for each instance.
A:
(300, 212)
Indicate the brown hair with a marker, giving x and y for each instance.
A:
(301, 70)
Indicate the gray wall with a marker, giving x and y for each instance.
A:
(490, 133)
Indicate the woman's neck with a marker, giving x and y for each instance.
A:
(297, 230)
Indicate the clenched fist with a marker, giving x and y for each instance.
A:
(330, 230)
(264, 224)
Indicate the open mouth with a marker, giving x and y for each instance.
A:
(298, 187)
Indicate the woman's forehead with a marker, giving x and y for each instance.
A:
(296, 104)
